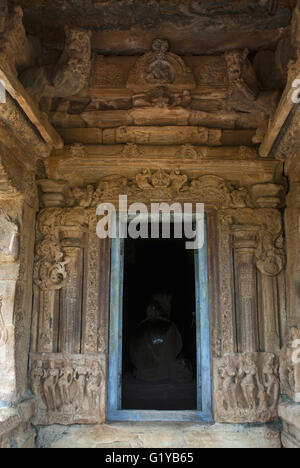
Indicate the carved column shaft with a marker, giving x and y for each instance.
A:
(246, 288)
(269, 314)
(292, 227)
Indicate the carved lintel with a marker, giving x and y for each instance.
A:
(246, 388)
(70, 388)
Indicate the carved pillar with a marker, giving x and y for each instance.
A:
(292, 229)
(226, 296)
(245, 243)
(71, 294)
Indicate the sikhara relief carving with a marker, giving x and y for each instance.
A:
(246, 387)
(69, 76)
(70, 388)
(290, 364)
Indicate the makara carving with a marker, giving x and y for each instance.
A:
(246, 388)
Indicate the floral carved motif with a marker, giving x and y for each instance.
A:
(50, 271)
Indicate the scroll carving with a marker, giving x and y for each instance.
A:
(246, 388)
(50, 265)
(70, 388)
(270, 259)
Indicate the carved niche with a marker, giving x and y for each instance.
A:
(70, 388)
(246, 388)
(290, 364)
(160, 67)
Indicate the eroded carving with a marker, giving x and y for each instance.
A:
(15, 46)
(50, 271)
(9, 238)
(70, 74)
(290, 364)
(152, 184)
(247, 387)
(160, 67)
(70, 388)
(162, 97)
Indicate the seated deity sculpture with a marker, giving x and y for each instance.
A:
(156, 346)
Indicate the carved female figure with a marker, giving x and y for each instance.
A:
(80, 377)
(94, 381)
(229, 390)
(249, 373)
(50, 386)
(37, 374)
(64, 383)
(271, 382)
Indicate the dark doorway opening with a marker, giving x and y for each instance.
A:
(159, 326)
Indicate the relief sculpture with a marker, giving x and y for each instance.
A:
(69, 388)
(247, 387)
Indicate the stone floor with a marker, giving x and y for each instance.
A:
(159, 435)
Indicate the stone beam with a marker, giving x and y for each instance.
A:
(27, 104)
(289, 99)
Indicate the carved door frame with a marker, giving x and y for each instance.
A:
(204, 374)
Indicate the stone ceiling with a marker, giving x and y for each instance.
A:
(129, 26)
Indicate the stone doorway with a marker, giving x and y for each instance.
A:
(159, 326)
(159, 357)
